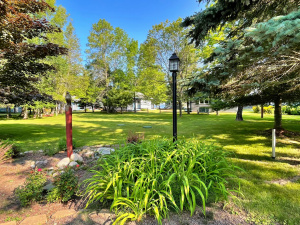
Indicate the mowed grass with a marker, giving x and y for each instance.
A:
(265, 198)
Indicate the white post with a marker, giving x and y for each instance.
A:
(273, 143)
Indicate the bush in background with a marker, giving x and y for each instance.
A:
(32, 190)
(256, 109)
(157, 176)
(267, 109)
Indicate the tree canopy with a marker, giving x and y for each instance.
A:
(20, 59)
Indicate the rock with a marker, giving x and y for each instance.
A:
(9, 223)
(51, 168)
(105, 151)
(88, 154)
(51, 172)
(41, 164)
(76, 157)
(41, 151)
(35, 220)
(56, 174)
(73, 163)
(32, 165)
(63, 213)
(48, 187)
(63, 163)
(86, 148)
(30, 151)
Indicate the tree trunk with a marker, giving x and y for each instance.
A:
(61, 109)
(93, 108)
(188, 106)
(277, 114)
(25, 113)
(217, 112)
(239, 113)
(180, 108)
(8, 112)
(262, 111)
(134, 103)
(14, 109)
(56, 109)
(121, 110)
(34, 114)
(85, 108)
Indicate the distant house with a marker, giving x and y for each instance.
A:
(142, 103)
(201, 106)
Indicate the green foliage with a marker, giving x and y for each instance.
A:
(157, 176)
(62, 144)
(50, 150)
(117, 97)
(242, 12)
(256, 109)
(267, 109)
(291, 110)
(66, 186)
(32, 189)
(21, 72)
(217, 104)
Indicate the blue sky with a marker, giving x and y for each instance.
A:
(136, 17)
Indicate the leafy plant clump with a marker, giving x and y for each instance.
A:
(5, 148)
(8, 150)
(32, 190)
(66, 186)
(135, 138)
(157, 176)
(62, 144)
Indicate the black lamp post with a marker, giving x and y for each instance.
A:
(174, 68)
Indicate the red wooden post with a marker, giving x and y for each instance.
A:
(69, 125)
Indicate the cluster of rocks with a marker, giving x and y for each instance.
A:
(72, 161)
(94, 152)
(39, 164)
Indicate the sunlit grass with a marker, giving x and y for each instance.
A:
(267, 202)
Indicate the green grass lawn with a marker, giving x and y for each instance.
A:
(267, 201)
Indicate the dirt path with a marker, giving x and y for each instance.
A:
(14, 173)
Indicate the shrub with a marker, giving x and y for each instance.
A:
(66, 186)
(157, 176)
(256, 109)
(269, 109)
(135, 138)
(50, 150)
(62, 144)
(32, 189)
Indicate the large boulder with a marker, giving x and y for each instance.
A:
(63, 163)
(76, 157)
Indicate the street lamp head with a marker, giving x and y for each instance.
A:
(174, 63)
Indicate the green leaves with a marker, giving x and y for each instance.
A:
(156, 176)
